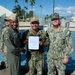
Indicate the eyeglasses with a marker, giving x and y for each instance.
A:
(35, 23)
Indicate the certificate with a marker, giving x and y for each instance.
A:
(33, 42)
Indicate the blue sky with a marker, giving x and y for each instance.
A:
(63, 7)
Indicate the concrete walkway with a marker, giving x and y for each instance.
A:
(3, 71)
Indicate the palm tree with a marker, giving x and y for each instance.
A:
(25, 8)
(32, 3)
(17, 9)
(41, 8)
(46, 18)
(24, 13)
(63, 18)
(16, 2)
(26, 1)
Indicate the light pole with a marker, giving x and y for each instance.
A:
(53, 5)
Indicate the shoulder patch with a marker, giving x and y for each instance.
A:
(6, 35)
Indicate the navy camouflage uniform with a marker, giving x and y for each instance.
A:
(37, 56)
(60, 47)
(3, 46)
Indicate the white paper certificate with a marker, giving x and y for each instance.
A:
(33, 42)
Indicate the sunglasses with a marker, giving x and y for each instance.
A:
(55, 19)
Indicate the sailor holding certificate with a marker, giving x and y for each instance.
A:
(36, 39)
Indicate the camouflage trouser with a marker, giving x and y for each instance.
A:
(5, 58)
(52, 64)
(35, 64)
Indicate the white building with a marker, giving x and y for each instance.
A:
(72, 19)
(3, 10)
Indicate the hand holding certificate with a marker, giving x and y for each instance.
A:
(33, 42)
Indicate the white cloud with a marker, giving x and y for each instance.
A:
(65, 10)
(72, 8)
(69, 11)
(59, 8)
